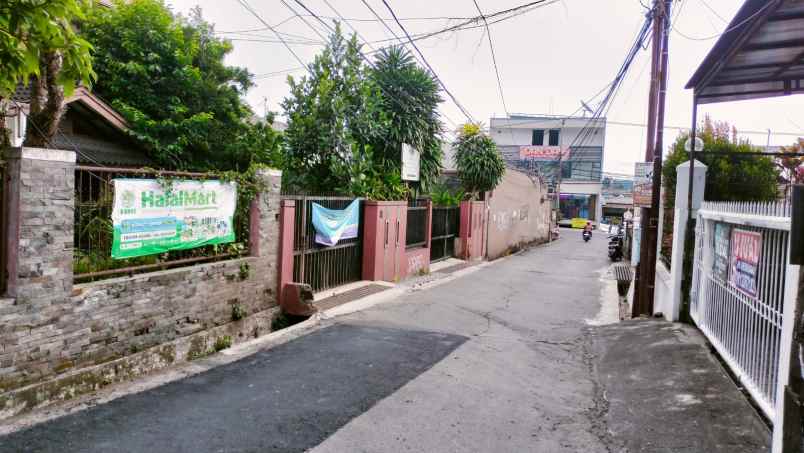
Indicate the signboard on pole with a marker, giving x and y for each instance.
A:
(410, 163)
(746, 247)
(720, 261)
(150, 219)
(547, 153)
(643, 184)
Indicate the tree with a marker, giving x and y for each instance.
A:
(733, 176)
(166, 74)
(39, 45)
(480, 166)
(792, 168)
(332, 115)
(409, 104)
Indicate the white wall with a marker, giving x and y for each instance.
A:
(16, 125)
(518, 132)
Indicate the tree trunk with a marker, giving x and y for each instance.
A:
(47, 102)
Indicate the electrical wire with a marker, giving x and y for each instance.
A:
(493, 57)
(432, 71)
(730, 29)
(248, 8)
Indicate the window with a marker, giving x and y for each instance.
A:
(553, 137)
(538, 137)
(566, 170)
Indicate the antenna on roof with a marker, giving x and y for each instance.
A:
(586, 109)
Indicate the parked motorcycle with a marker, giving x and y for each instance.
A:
(616, 246)
(587, 235)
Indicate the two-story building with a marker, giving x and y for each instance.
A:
(567, 151)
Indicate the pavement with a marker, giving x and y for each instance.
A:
(518, 356)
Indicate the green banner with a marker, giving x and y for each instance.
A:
(149, 220)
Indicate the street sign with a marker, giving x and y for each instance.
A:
(410, 163)
(699, 145)
(643, 184)
(628, 216)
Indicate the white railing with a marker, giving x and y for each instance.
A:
(741, 291)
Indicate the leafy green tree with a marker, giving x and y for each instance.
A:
(332, 115)
(733, 176)
(479, 163)
(409, 99)
(39, 45)
(166, 74)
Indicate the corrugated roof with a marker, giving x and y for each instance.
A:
(760, 55)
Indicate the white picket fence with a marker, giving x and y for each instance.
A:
(743, 302)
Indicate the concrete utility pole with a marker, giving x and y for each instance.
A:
(646, 273)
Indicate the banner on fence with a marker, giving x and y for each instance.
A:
(720, 261)
(333, 225)
(746, 247)
(148, 219)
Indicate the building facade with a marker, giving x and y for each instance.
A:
(567, 152)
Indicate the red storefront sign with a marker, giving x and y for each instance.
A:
(535, 152)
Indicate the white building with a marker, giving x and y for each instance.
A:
(539, 142)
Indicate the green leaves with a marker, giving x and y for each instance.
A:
(480, 165)
(31, 28)
(167, 75)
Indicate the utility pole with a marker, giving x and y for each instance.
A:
(646, 273)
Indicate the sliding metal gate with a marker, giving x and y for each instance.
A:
(446, 222)
(321, 266)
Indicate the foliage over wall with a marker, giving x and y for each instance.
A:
(167, 75)
(479, 163)
(347, 122)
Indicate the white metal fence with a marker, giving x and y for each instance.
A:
(739, 290)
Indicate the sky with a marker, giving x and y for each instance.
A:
(549, 60)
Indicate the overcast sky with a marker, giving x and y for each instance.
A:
(549, 59)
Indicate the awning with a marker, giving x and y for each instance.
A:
(760, 55)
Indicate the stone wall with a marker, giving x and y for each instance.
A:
(51, 328)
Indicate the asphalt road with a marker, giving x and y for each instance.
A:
(498, 360)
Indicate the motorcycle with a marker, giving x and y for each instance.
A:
(616, 246)
(587, 235)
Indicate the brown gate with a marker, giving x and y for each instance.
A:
(321, 266)
(446, 222)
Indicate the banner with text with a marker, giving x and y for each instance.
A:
(746, 247)
(149, 218)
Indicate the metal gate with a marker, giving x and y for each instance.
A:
(738, 303)
(320, 266)
(446, 224)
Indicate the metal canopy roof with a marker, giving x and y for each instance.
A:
(760, 55)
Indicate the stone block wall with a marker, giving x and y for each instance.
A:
(50, 327)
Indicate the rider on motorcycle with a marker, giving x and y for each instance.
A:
(588, 227)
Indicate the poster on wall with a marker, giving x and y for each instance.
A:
(720, 260)
(643, 184)
(333, 225)
(546, 153)
(746, 247)
(149, 220)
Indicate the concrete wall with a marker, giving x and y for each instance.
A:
(50, 327)
(663, 291)
(519, 214)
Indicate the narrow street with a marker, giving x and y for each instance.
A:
(495, 361)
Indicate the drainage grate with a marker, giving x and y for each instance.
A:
(349, 296)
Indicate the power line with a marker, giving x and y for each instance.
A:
(248, 8)
(432, 71)
(493, 57)
(713, 11)
(730, 29)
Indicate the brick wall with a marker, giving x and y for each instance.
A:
(48, 326)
